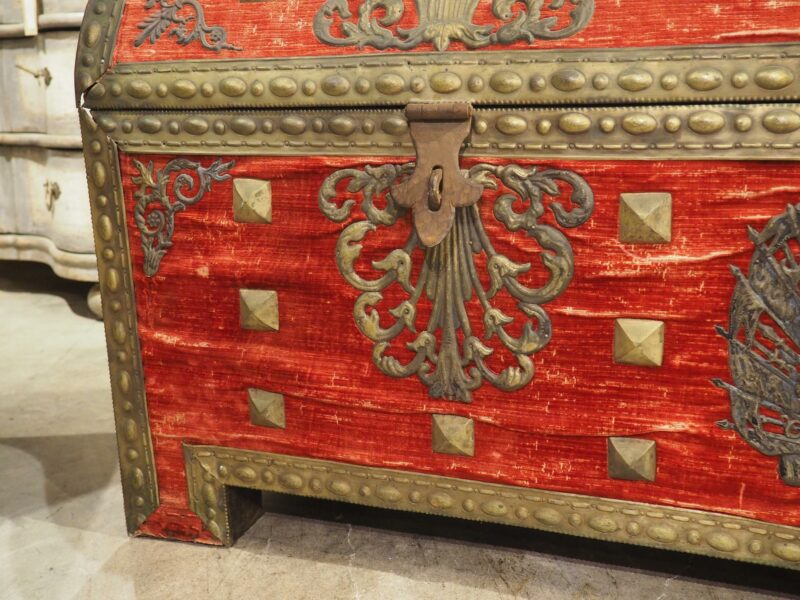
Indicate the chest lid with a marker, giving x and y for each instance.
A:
(221, 54)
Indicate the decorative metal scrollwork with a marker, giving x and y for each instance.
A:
(442, 21)
(154, 213)
(190, 26)
(764, 346)
(447, 355)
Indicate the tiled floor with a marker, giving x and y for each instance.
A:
(62, 532)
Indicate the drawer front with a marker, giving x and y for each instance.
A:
(37, 84)
(553, 433)
(44, 194)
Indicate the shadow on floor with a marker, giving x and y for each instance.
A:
(72, 466)
(733, 575)
(37, 278)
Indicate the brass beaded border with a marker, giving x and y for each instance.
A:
(96, 43)
(713, 74)
(211, 469)
(764, 131)
(139, 485)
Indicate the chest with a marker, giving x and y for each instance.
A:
(518, 262)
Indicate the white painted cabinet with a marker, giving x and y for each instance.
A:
(44, 206)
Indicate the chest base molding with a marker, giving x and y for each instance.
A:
(221, 482)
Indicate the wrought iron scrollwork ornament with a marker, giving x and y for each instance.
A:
(191, 25)
(447, 354)
(764, 346)
(442, 21)
(154, 213)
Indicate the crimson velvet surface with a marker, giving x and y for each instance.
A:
(552, 434)
(273, 29)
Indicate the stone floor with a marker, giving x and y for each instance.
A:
(62, 532)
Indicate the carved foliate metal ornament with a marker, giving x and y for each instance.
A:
(185, 26)
(447, 354)
(441, 21)
(764, 346)
(154, 212)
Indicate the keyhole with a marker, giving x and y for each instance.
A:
(435, 188)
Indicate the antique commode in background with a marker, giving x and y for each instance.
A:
(463, 258)
(44, 212)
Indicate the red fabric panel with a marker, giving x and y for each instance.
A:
(551, 434)
(273, 29)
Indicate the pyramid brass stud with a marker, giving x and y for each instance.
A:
(266, 408)
(645, 218)
(631, 459)
(258, 310)
(453, 435)
(252, 201)
(639, 342)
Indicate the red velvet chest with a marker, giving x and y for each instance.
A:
(524, 263)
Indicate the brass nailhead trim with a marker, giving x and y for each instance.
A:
(210, 469)
(139, 486)
(686, 132)
(713, 74)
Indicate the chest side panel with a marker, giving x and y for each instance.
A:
(553, 433)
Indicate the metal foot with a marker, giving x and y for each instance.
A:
(94, 301)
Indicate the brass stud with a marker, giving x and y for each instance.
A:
(511, 124)
(704, 79)
(706, 122)
(267, 409)
(781, 121)
(639, 123)
(544, 126)
(672, 124)
(607, 124)
(309, 87)
(445, 82)
(669, 81)
(453, 435)
(635, 80)
(600, 81)
(362, 85)
(416, 84)
(475, 83)
(774, 78)
(744, 123)
(639, 342)
(631, 459)
(390, 84)
(568, 80)
(258, 310)
(537, 83)
(505, 82)
(740, 79)
(645, 218)
(252, 201)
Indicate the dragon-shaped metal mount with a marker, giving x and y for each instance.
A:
(154, 213)
(191, 25)
(442, 21)
(764, 346)
(448, 356)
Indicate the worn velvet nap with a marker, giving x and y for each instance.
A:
(552, 434)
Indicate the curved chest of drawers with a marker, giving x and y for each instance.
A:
(44, 211)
